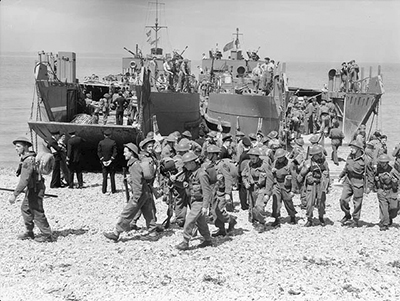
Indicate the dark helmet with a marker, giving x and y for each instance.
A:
(189, 156)
(299, 141)
(383, 158)
(213, 149)
(146, 141)
(357, 144)
(132, 147)
(316, 149)
(254, 152)
(280, 153)
(22, 140)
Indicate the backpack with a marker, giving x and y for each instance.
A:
(148, 167)
(231, 167)
(45, 163)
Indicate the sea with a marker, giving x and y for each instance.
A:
(17, 91)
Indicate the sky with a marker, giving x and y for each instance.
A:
(286, 30)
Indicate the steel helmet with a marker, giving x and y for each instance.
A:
(280, 153)
(189, 156)
(182, 146)
(273, 135)
(274, 144)
(213, 149)
(254, 152)
(143, 143)
(314, 139)
(383, 158)
(357, 143)
(299, 141)
(316, 149)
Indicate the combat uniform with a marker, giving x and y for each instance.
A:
(32, 206)
(386, 182)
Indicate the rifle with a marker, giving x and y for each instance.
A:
(170, 210)
(125, 180)
(46, 194)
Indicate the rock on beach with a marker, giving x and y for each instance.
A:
(288, 263)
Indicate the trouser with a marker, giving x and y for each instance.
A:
(218, 210)
(32, 210)
(281, 194)
(143, 204)
(119, 115)
(242, 195)
(256, 201)
(325, 124)
(75, 167)
(196, 217)
(294, 173)
(139, 213)
(105, 116)
(335, 149)
(181, 204)
(64, 169)
(110, 169)
(315, 198)
(56, 175)
(388, 206)
(348, 191)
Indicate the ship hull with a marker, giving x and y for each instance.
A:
(248, 113)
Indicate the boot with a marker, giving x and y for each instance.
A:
(260, 228)
(44, 238)
(322, 221)
(276, 223)
(354, 224)
(345, 219)
(26, 235)
(293, 220)
(206, 243)
(219, 232)
(112, 236)
(150, 237)
(232, 223)
(183, 246)
(308, 223)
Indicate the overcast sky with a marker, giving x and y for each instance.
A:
(313, 30)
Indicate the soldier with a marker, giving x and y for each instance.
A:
(32, 205)
(141, 199)
(104, 104)
(282, 188)
(199, 190)
(222, 191)
(242, 162)
(56, 151)
(316, 140)
(315, 173)
(120, 103)
(257, 179)
(356, 172)
(168, 150)
(324, 118)
(226, 150)
(74, 155)
(336, 135)
(386, 183)
(297, 157)
(210, 139)
(107, 153)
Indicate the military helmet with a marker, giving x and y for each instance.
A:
(357, 144)
(23, 140)
(383, 158)
(299, 141)
(189, 156)
(144, 142)
(280, 153)
(182, 146)
(274, 144)
(213, 149)
(273, 135)
(316, 149)
(254, 152)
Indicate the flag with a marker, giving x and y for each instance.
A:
(148, 33)
(228, 46)
(154, 41)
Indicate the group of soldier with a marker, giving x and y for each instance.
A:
(196, 178)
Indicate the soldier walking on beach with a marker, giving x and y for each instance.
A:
(257, 179)
(282, 186)
(120, 103)
(336, 135)
(358, 177)
(74, 155)
(200, 193)
(107, 153)
(32, 205)
(315, 174)
(141, 199)
(222, 191)
(386, 183)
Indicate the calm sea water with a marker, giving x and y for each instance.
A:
(17, 92)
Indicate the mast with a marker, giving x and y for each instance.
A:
(156, 27)
(237, 38)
